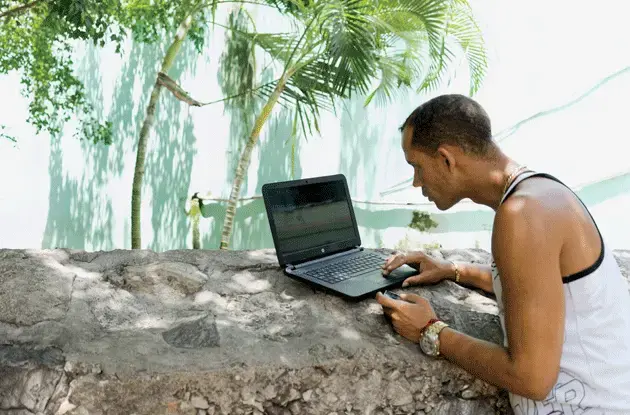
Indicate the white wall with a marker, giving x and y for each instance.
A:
(542, 55)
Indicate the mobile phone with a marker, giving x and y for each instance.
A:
(391, 295)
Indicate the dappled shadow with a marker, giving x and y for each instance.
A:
(276, 161)
(248, 232)
(251, 215)
(466, 221)
(65, 225)
(81, 212)
(235, 75)
(251, 226)
(359, 154)
(169, 162)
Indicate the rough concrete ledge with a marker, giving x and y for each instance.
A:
(213, 332)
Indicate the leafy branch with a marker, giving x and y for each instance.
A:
(20, 9)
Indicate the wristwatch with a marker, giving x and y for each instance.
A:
(429, 337)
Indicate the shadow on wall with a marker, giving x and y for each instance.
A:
(169, 163)
(359, 161)
(80, 210)
(251, 227)
(251, 218)
(236, 74)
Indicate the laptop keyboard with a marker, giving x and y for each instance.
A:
(346, 269)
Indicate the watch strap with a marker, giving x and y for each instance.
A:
(433, 320)
(433, 329)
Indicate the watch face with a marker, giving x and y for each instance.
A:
(428, 344)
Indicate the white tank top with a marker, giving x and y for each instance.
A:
(595, 364)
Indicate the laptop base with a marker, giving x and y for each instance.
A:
(359, 287)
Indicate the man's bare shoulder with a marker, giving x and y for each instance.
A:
(531, 216)
(535, 201)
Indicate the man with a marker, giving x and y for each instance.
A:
(563, 304)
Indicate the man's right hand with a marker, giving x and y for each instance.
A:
(432, 270)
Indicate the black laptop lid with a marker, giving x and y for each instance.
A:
(310, 218)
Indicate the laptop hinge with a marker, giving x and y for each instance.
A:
(326, 258)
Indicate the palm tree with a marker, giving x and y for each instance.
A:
(342, 47)
(191, 10)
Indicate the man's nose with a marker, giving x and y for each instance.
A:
(417, 182)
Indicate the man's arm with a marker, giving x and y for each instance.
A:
(433, 270)
(527, 256)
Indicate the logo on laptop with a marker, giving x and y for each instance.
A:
(323, 250)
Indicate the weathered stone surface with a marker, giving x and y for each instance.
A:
(201, 332)
(29, 377)
(43, 276)
(160, 278)
(213, 332)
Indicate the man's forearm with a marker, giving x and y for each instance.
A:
(486, 361)
(477, 275)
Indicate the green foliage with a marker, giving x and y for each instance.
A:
(422, 221)
(37, 42)
(5, 136)
(340, 48)
(344, 47)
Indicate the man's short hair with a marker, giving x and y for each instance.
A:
(451, 119)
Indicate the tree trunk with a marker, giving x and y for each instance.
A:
(195, 214)
(243, 164)
(136, 193)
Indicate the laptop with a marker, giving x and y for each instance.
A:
(317, 240)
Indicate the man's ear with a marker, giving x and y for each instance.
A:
(446, 157)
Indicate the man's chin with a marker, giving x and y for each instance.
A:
(443, 206)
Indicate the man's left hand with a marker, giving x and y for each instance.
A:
(408, 315)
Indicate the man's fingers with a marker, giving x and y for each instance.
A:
(387, 262)
(411, 281)
(385, 301)
(412, 298)
(393, 262)
(415, 280)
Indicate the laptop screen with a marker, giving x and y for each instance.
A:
(311, 219)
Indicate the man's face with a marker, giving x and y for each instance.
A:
(430, 172)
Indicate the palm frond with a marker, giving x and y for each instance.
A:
(277, 45)
(341, 47)
(398, 70)
(414, 16)
(462, 30)
(467, 34)
(350, 43)
(436, 26)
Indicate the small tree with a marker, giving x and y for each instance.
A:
(194, 12)
(422, 221)
(342, 47)
(36, 40)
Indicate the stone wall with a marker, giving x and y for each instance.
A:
(214, 332)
